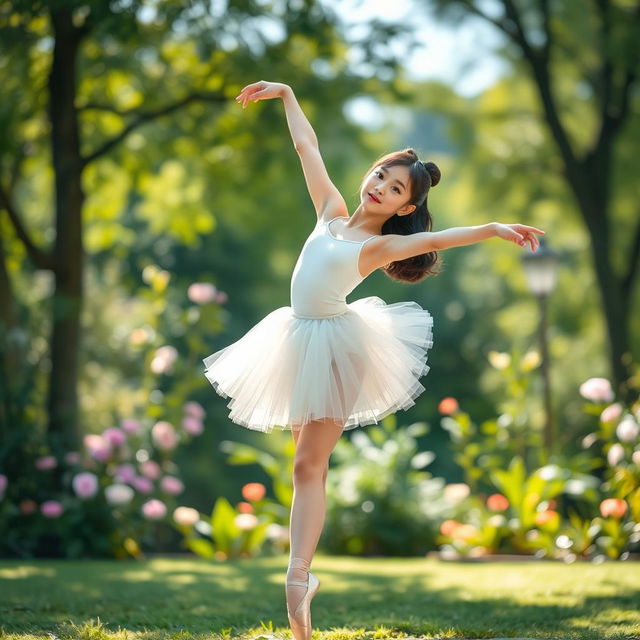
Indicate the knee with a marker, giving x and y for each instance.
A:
(306, 469)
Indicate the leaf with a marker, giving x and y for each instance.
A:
(200, 547)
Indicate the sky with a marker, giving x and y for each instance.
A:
(458, 55)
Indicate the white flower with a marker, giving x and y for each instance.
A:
(163, 359)
(245, 521)
(627, 430)
(456, 491)
(186, 516)
(615, 454)
(597, 390)
(117, 494)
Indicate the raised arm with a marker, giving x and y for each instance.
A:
(326, 198)
(398, 247)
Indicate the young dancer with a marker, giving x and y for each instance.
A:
(322, 365)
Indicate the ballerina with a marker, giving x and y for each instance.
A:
(322, 365)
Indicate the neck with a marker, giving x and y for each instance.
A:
(366, 221)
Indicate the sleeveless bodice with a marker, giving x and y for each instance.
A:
(325, 273)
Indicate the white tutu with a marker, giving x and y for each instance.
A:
(355, 367)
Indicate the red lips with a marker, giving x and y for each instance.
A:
(374, 198)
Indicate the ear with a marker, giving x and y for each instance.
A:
(406, 210)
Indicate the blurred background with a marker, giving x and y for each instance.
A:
(147, 220)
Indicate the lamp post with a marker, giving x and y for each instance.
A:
(541, 270)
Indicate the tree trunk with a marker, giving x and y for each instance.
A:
(68, 250)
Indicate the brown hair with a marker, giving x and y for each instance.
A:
(422, 176)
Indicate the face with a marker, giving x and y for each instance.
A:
(391, 187)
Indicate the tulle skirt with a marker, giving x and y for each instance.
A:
(355, 368)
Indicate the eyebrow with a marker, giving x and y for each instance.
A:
(396, 180)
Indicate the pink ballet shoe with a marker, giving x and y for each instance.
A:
(300, 620)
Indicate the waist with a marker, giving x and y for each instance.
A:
(322, 316)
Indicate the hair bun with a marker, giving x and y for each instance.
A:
(433, 171)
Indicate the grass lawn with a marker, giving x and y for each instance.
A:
(373, 598)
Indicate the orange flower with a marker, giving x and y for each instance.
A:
(613, 507)
(449, 526)
(448, 406)
(245, 507)
(497, 502)
(548, 516)
(253, 491)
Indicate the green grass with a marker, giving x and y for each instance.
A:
(370, 598)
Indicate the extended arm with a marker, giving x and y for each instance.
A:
(397, 247)
(324, 194)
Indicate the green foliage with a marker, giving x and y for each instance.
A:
(380, 501)
(551, 511)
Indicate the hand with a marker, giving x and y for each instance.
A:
(518, 233)
(261, 90)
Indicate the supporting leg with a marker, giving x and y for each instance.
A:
(314, 444)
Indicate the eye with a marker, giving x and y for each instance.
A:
(379, 174)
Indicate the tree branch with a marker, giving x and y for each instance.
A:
(143, 117)
(546, 28)
(41, 259)
(94, 106)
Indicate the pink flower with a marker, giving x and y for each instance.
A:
(186, 516)
(195, 409)
(150, 469)
(192, 425)
(114, 436)
(201, 292)
(51, 509)
(97, 446)
(164, 435)
(221, 297)
(164, 359)
(4, 481)
(129, 425)
(154, 509)
(125, 473)
(172, 485)
(85, 484)
(45, 463)
(72, 457)
(245, 507)
(142, 484)
(611, 413)
(597, 390)
(28, 506)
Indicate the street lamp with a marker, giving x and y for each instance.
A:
(541, 271)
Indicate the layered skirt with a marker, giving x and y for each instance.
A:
(355, 368)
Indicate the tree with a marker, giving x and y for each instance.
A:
(101, 72)
(569, 47)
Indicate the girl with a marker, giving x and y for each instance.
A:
(323, 365)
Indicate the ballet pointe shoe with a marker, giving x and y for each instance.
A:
(300, 619)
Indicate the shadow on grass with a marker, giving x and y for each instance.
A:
(358, 597)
